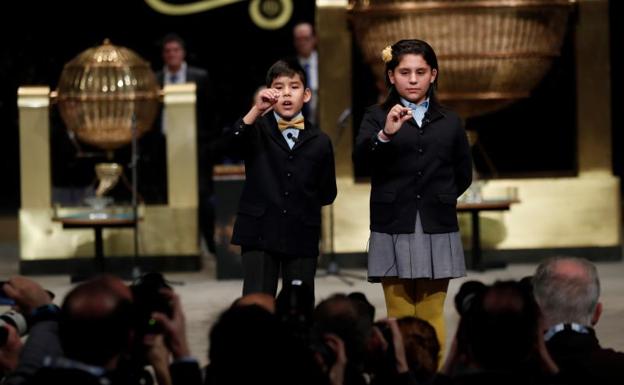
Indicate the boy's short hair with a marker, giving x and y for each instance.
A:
(286, 67)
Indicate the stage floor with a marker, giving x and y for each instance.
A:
(204, 297)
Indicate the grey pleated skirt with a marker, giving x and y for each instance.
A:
(415, 255)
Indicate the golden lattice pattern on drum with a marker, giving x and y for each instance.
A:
(102, 90)
(491, 52)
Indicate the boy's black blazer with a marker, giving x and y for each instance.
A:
(421, 169)
(280, 207)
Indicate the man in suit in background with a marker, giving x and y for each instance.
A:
(304, 39)
(177, 71)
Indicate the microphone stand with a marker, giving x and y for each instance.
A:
(333, 268)
(136, 270)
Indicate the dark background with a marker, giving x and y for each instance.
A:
(534, 137)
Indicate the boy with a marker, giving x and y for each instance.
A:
(290, 174)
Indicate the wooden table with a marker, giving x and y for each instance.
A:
(97, 222)
(474, 208)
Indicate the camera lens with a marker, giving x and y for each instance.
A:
(16, 320)
(149, 299)
(12, 319)
(467, 294)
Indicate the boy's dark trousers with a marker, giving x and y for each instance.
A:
(261, 271)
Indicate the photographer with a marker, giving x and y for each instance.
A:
(387, 353)
(12, 327)
(183, 369)
(36, 305)
(88, 341)
(498, 339)
(160, 333)
(376, 350)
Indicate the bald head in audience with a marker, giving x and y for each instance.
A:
(567, 290)
(96, 321)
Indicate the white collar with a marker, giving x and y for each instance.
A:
(180, 71)
(550, 333)
(312, 59)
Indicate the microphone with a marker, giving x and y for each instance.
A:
(426, 119)
(343, 118)
(341, 124)
(290, 136)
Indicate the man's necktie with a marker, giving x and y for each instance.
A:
(297, 123)
(306, 68)
(173, 78)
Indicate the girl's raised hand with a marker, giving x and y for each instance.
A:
(395, 119)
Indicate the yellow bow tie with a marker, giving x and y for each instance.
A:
(295, 123)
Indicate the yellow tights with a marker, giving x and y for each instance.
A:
(422, 298)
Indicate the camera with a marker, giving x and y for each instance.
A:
(294, 306)
(15, 320)
(149, 299)
(467, 294)
(319, 346)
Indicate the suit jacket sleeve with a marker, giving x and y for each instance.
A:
(237, 139)
(368, 147)
(43, 341)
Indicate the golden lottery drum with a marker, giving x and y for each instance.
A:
(102, 90)
(490, 52)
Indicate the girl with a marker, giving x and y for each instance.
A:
(420, 163)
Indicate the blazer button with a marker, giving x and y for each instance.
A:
(290, 157)
(289, 174)
(286, 193)
(284, 211)
(417, 196)
(420, 150)
(419, 173)
(421, 132)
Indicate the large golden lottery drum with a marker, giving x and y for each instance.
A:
(103, 91)
(490, 52)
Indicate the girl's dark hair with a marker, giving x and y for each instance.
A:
(405, 47)
(286, 67)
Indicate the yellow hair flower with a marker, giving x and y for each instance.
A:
(386, 54)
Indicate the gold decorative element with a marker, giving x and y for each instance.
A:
(108, 174)
(167, 8)
(270, 14)
(386, 54)
(103, 91)
(490, 52)
(267, 14)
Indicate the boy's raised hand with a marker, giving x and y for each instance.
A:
(265, 101)
(395, 119)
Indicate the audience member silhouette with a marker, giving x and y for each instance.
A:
(568, 292)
